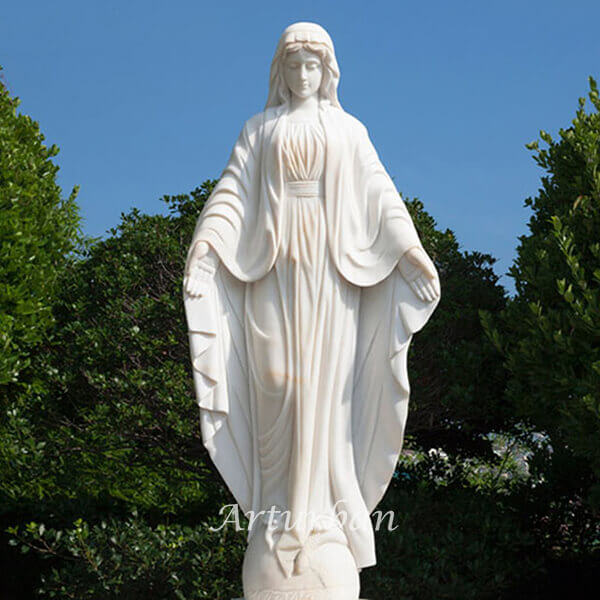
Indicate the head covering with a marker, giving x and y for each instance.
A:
(316, 39)
(304, 31)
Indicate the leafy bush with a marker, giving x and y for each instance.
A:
(38, 229)
(134, 560)
(549, 332)
(460, 533)
(457, 375)
(117, 428)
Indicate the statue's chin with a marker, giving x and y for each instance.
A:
(304, 93)
(324, 570)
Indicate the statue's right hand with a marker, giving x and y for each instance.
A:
(200, 268)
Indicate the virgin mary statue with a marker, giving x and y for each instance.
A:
(304, 283)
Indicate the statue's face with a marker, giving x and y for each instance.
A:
(303, 72)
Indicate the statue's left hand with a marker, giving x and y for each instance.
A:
(418, 271)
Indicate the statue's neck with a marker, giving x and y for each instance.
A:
(304, 107)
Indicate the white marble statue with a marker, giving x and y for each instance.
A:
(304, 283)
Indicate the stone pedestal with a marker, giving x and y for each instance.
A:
(327, 570)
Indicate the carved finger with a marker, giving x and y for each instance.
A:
(419, 285)
(431, 290)
(417, 290)
(413, 287)
(197, 287)
(189, 286)
(414, 273)
(428, 267)
(422, 288)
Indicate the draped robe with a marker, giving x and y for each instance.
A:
(367, 230)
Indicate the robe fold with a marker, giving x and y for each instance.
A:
(366, 229)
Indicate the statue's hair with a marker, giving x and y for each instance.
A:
(293, 39)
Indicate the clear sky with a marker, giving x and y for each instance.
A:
(147, 98)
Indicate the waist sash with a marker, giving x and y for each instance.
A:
(303, 188)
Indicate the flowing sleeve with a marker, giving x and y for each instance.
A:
(215, 317)
(370, 226)
(237, 222)
(237, 219)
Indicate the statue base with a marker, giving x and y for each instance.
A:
(328, 569)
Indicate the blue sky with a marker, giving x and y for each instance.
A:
(147, 98)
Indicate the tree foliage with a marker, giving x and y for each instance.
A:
(102, 468)
(457, 377)
(118, 418)
(116, 428)
(550, 332)
(38, 229)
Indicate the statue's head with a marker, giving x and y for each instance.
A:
(304, 64)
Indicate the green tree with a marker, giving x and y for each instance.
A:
(38, 230)
(118, 418)
(457, 377)
(115, 427)
(118, 423)
(550, 332)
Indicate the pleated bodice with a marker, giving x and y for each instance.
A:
(303, 150)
